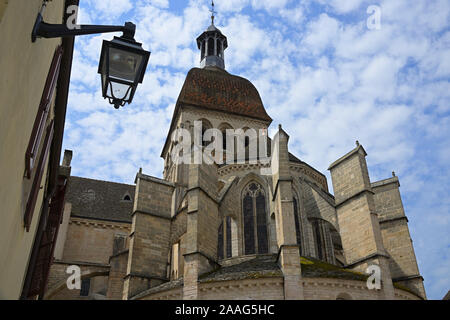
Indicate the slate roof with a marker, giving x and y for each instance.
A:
(103, 200)
(263, 266)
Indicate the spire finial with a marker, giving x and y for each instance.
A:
(213, 12)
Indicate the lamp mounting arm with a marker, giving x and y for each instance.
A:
(42, 29)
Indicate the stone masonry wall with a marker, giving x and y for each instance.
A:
(272, 289)
(91, 240)
(395, 233)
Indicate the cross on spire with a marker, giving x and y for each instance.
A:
(213, 12)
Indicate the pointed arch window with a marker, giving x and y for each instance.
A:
(319, 238)
(210, 46)
(220, 243)
(255, 219)
(219, 47)
(203, 50)
(298, 232)
(224, 246)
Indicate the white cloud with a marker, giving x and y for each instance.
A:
(322, 33)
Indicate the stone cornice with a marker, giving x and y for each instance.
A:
(213, 198)
(153, 179)
(348, 155)
(119, 254)
(275, 191)
(145, 276)
(82, 263)
(355, 195)
(385, 182)
(287, 246)
(393, 219)
(157, 215)
(103, 223)
(406, 278)
(210, 259)
(362, 260)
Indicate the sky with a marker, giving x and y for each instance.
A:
(322, 71)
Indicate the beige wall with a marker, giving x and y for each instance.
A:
(3, 4)
(91, 240)
(23, 69)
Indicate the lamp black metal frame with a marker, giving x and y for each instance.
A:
(134, 47)
(42, 29)
(126, 42)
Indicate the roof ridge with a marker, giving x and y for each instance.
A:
(113, 182)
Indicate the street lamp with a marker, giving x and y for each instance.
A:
(122, 62)
(122, 67)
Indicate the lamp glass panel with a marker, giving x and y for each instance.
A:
(119, 90)
(124, 65)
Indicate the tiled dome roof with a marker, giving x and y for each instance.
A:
(216, 89)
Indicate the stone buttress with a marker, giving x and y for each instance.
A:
(150, 235)
(358, 221)
(289, 253)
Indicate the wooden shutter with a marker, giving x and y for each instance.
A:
(46, 246)
(35, 187)
(43, 110)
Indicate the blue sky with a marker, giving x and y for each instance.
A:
(321, 73)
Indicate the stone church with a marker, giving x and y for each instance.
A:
(226, 231)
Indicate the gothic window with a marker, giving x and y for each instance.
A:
(247, 141)
(203, 49)
(224, 248)
(224, 140)
(204, 143)
(205, 126)
(219, 48)
(228, 236)
(297, 223)
(220, 243)
(318, 237)
(255, 219)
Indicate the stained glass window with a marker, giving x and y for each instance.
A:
(255, 220)
(249, 232)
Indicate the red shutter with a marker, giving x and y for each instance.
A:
(31, 203)
(46, 249)
(44, 108)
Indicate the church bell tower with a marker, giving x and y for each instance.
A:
(212, 44)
